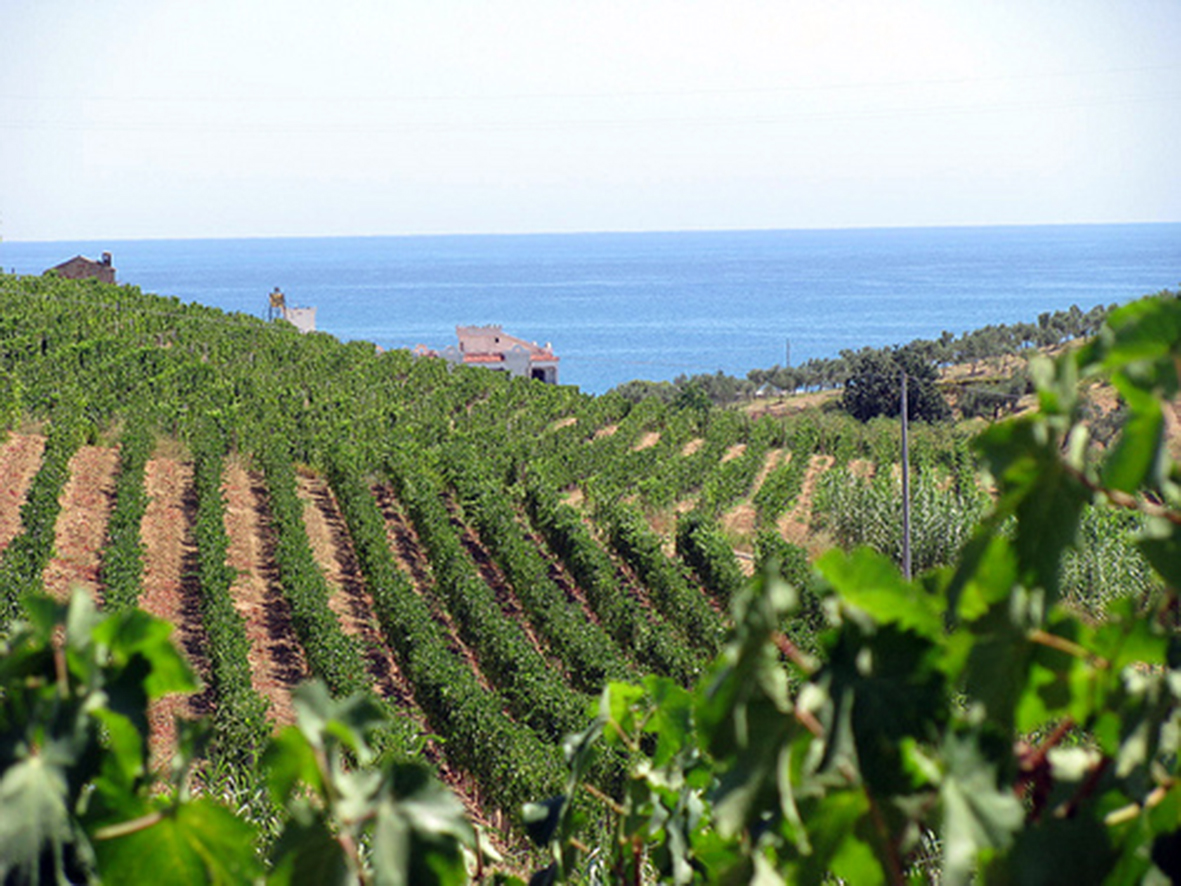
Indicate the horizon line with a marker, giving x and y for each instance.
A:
(599, 232)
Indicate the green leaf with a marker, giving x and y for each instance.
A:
(1160, 543)
(671, 719)
(418, 836)
(872, 583)
(133, 634)
(985, 574)
(541, 819)
(125, 762)
(290, 760)
(1076, 851)
(197, 842)
(977, 813)
(307, 854)
(35, 819)
(1136, 459)
(320, 717)
(833, 824)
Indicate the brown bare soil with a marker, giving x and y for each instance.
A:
(410, 558)
(81, 527)
(791, 403)
(862, 468)
(606, 431)
(20, 457)
(333, 550)
(795, 526)
(560, 577)
(564, 422)
(692, 447)
(649, 440)
(277, 663)
(735, 451)
(170, 592)
(739, 522)
(413, 561)
(490, 572)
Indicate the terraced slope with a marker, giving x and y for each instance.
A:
(277, 659)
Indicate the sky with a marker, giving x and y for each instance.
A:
(240, 118)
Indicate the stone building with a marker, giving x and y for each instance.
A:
(82, 268)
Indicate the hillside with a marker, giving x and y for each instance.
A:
(537, 601)
(479, 554)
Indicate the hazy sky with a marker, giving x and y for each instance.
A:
(153, 118)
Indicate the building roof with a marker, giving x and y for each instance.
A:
(489, 344)
(80, 267)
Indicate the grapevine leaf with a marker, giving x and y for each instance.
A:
(541, 819)
(836, 845)
(1160, 542)
(417, 836)
(1136, 459)
(1076, 850)
(672, 717)
(322, 718)
(35, 824)
(871, 582)
(883, 688)
(985, 575)
(135, 633)
(289, 760)
(1035, 487)
(1146, 332)
(998, 663)
(196, 842)
(307, 854)
(977, 814)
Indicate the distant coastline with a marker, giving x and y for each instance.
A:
(653, 305)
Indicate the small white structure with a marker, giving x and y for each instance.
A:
(490, 347)
(303, 319)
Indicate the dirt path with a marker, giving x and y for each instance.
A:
(558, 575)
(277, 663)
(795, 525)
(411, 558)
(81, 527)
(170, 591)
(736, 451)
(741, 519)
(647, 441)
(333, 550)
(20, 457)
(490, 572)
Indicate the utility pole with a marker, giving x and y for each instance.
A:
(905, 485)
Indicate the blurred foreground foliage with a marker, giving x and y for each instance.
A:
(970, 726)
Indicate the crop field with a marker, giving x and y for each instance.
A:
(478, 555)
(482, 554)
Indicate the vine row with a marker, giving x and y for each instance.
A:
(587, 651)
(535, 693)
(508, 759)
(27, 555)
(654, 646)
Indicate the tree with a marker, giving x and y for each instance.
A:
(874, 387)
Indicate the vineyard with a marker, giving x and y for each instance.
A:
(474, 556)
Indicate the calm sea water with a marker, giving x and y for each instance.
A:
(655, 305)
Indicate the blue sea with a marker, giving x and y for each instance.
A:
(623, 306)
